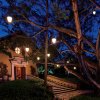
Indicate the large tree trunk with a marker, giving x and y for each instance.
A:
(78, 48)
(77, 22)
(98, 56)
(76, 74)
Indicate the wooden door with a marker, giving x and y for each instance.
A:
(19, 73)
(15, 72)
(23, 73)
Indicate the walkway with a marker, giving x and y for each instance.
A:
(69, 95)
(64, 90)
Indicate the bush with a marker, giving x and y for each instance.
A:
(85, 97)
(24, 90)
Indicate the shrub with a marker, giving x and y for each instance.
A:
(85, 97)
(24, 90)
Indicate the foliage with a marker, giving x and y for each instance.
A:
(71, 21)
(41, 69)
(85, 97)
(4, 49)
(33, 70)
(24, 90)
(3, 69)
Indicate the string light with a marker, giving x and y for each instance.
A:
(48, 54)
(27, 49)
(9, 19)
(54, 40)
(94, 12)
(38, 58)
(74, 68)
(58, 65)
(67, 62)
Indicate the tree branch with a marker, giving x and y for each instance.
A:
(63, 30)
(98, 6)
(75, 74)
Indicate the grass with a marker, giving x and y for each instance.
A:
(24, 90)
(86, 97)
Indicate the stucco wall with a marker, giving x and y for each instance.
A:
(5, 59)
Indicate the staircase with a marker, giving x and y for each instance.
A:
(60, 87)
(57, 89)
(63, 90)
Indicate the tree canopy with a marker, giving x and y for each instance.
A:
(75, 24)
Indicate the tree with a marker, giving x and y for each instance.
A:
(3, 70)
(69, 20)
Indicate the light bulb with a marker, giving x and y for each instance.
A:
(27, 49)
(94, 12)
(9, 19)
(48, 54)
(17, 50)
(54, 40)
(38, 58)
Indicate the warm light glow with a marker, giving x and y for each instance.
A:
(9, 19)
(27, 49)
(74, 68)
(54, 40)
(94, 12)
(17, 50)
(48, 54)
(67, 62)
(38, 58)
(27, 63)
(58, 65)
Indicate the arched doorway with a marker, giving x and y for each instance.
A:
(19, 72)
(18, 68)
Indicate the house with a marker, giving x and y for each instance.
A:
(17, 66)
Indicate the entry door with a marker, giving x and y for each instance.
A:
(20, 73)
(23, 72)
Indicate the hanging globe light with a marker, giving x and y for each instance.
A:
(27, 49)
(9, 19)
(54, 40)
(38, 58)
(48, 55)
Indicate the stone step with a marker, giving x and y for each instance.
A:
(59, 81)
(60, 88)
(57, 85)
(62, 91)
(67, 96)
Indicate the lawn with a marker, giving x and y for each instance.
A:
(24, 90)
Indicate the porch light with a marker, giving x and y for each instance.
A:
(9, 19)
(17, 50)
(27, 49)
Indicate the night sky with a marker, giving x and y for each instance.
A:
(95, 26)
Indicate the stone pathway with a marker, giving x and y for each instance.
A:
(64, 90)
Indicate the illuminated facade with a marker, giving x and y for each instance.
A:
(17, 67)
